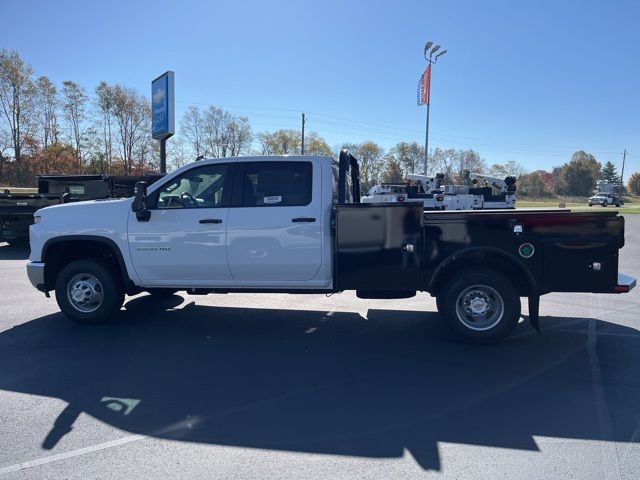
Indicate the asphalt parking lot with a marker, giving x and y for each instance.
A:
(284, 386)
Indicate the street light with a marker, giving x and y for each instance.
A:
(432, 60)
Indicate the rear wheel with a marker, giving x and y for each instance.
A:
(481, 306)
(89, 291)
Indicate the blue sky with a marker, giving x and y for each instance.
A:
(524, 81)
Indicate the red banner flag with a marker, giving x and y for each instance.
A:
(423, 86)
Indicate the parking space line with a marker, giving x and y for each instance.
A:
(70, 454)
(610, 461)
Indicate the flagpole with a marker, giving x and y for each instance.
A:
(426, 135)
(431, 60)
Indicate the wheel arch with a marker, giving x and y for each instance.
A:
(59, 251)
(484, 257)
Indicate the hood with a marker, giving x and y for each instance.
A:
(82, 215)
(76, 206)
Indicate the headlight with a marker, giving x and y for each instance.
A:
(37, 218)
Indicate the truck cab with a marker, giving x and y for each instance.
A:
(295, 224)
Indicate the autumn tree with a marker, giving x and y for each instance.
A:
(314, 144)
(533, 185)
(634, 183)
(580, 174)
(392, 172)
(280, 142)
(371, 158)
(16, 103)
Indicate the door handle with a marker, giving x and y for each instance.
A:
(210, 220)
(303, 219)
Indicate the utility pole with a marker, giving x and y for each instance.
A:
(304, 120)
(425, 97)
(624, 158)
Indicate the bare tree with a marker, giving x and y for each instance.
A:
(105, 102)
(409, 156)
(16, 102)
(192, 128)
(239, 135)
(216, 122)
(178, 153)
(74, 106)
(131, 113)
(5, 146)
(46, 103)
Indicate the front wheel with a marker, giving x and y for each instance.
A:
(89, 291)
(481, 306)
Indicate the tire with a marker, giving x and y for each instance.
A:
(590, 205)
(475, 291)
(89, 291)
(162, 292)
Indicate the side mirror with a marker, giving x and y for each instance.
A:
(139, 204)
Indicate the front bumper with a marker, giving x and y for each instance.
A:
(626, 283)
(35, 272)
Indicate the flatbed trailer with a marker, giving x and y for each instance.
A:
(17, 208)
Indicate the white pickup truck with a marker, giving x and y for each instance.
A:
(605, 199)
(295, 224)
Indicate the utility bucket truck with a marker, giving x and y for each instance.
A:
(295, 224)
(433, 195)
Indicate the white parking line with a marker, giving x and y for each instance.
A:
(70, 454)
(610, 461)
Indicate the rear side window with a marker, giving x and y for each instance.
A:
(276, 184)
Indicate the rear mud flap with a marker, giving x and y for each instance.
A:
(534, 312)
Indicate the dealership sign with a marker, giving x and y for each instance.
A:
(162, 106)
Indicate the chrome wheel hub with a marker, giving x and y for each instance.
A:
(479, 307)
(85, 293)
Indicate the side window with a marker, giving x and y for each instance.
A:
(275, 184)
(197, 188)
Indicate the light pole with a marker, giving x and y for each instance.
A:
(425, 92)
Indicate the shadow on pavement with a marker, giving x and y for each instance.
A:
(10, 252)
(322, 382)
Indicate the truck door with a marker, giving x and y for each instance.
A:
(184, 241)
(274, 231)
